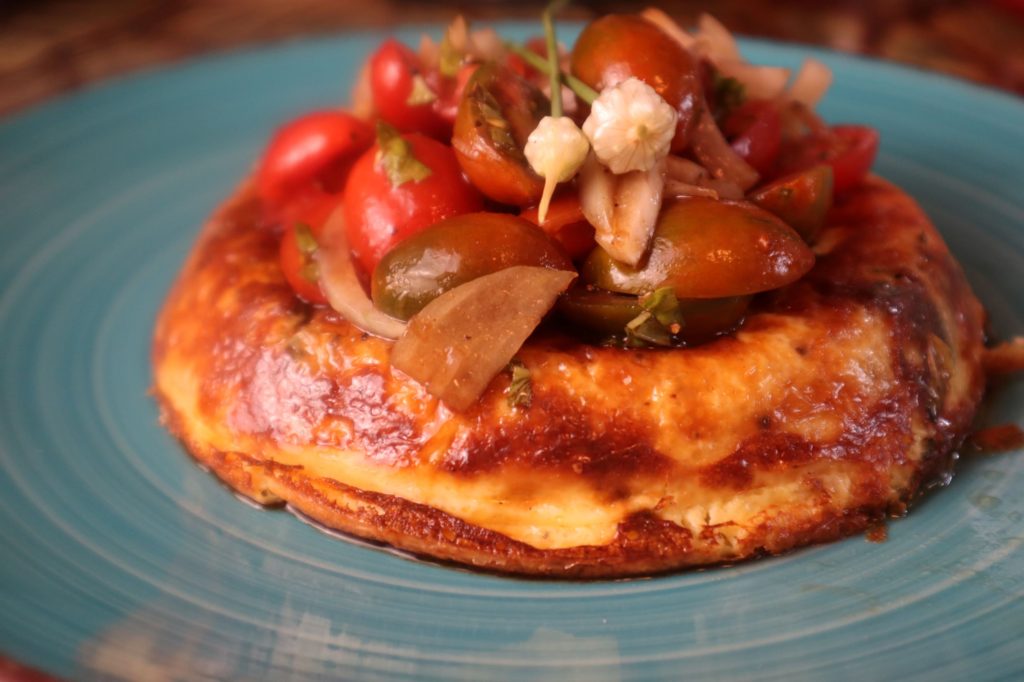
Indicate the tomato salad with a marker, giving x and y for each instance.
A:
(641, 187)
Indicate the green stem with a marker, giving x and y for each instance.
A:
(581, 89)
(547, 18)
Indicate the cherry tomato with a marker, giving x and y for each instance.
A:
(755, 133)
(565, 224)
(311, 207)
(617, 46)
(497, 114)
(455, 251)
(298, 264)
(394, 70)
(694, 237)
(802, 200)
(380, 213)
(315, 149)
(450, 91)
(848, 149)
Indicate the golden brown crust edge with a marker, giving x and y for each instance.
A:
(645, 543)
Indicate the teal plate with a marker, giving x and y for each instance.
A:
(119, 558)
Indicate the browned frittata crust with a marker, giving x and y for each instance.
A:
(836, 402)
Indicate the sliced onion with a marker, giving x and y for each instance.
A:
(341, 284)
(458, 34)
(726, 189)
(677, 189)
(486, 44)
(669, 26)
(463, 338)
(811, 83)
(429, 53)
(684, 170)
(622, 208)
(717, 40)
(362, 94)
(759, 82)
(712, 150)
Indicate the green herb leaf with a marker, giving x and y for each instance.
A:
(305, 239)
(519, 392)
(664, 306)
(396, 159)
(729, 94)
(420, 93)
(450, 58)
(659, 323)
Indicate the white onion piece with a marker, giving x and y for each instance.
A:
(669, 26)
(718, 41)
(429, 53)
(486, 44)
(463, 338)
(725, 189)
(684, 170)
(759, 82)
(677, 189)
(715, 154)
(681, 174)
(341, 284)
(362, 94)
(622, 208)
(458, 34)
(811, 83)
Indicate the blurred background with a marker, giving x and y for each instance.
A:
(49, 47)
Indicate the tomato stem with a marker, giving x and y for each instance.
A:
(581, 89)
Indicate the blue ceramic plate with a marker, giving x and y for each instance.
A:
(118, 556)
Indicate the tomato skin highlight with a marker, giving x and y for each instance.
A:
(393, 68)
(565, 224)
(378, 214)
(314, 150)
(848, 149)
(295, 265)
(754, 131)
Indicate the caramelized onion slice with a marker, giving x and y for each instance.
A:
(466, 336)
(341, 284)
(715, 154)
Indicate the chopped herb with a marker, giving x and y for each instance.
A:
(659, 323)
(310, 271)
(497, 126)
(729, 94)
(420, 93)
(306, 243)
(663, 304)
(396, 159)
(519, 392)
(305, 239)
(450, 58)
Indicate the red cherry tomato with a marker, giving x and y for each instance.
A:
(315, 149)
(299, 266)
(848, 149)
(310, 207)
(379, 214)
(565, 224)
(393, 70)
(450, 92)
(755, 133)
